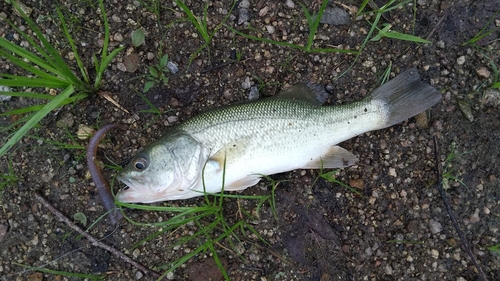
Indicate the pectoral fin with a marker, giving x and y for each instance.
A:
(232, 150)
(336, 157)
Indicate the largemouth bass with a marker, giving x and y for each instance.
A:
(231, 148)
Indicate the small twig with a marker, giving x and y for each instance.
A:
(450, 212)
(93, 240)
(107, 96)
(445, 14)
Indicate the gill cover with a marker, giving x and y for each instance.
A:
(165, 170)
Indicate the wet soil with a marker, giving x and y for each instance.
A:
(395, 228)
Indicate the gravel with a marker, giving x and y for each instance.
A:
(395, 227)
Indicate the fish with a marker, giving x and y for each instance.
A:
(231, 148)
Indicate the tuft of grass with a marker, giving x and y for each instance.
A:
(449, 170)
(496, 83)
(331, 177)
(201, 25)
(208, 224)
(7, 178)
(45, 68)
(386, 75)
(385, 31)
(484, 32)
(153, 6)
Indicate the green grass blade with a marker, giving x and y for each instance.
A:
(104, 64)
(362, 7)
(47, 58)
(24, 110)
(23, 81)
(194, 20)
(73, 46)
(64, 273)
(313, 25)
(28, 95)
(35, 119)
(406, 37)
(25, 54)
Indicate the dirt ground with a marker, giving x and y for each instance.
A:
(398, 227)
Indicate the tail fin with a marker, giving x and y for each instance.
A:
(406, 96)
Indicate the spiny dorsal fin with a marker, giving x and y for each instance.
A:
(300, 91)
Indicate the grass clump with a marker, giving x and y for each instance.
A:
(201, 25)
(448, 169)
(207, 225)
(46, 69)
(484, 32)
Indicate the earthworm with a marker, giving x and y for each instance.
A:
(101, 184)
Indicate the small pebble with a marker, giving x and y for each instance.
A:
(435, 226)
(270, 29)
(118, 37)
(475, 217)
(335, 16)
(392, 172)
(254, 93)
(245, 4)
(434, 253)
(243, 16)
(263, 11)
(246, 84)
(290, 4)
(5, 89)
(121, 66)
(482, 72)
(357, 183)
(172, 67)
(84, 132)
(136, 253)
(388, 269)
(461, 60)
(116, 18)
(172, 119)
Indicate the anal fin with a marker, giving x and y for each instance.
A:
(243, 183)
(336, 157)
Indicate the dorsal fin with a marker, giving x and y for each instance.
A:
(300, 91)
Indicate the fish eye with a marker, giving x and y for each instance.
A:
(141, 163)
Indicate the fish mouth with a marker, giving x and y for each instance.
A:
(130, 184)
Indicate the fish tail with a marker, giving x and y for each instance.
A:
(405, 96)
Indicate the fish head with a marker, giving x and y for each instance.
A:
(165, 170)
